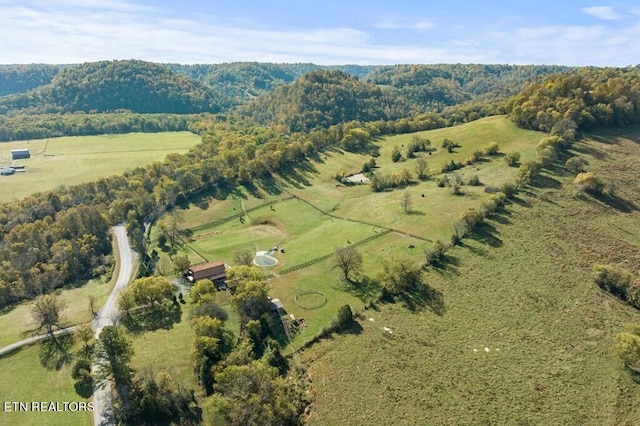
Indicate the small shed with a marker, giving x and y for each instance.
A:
(7, 171)
(18, 154)
(214, 271)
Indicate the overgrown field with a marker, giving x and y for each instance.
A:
(525, 337)
(79, 159)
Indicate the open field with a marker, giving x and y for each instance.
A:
(525, 337)
(24, 379)
(17, 323)
(169, 350)
(306, 233)
(73, 160)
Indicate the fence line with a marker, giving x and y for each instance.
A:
(362, 222)
(327, 256)
(218, 222)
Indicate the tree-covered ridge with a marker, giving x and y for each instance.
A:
(22, 78)
(116, 85)
(320, 99)
(592, 97)
(439, 85)
(241, 82)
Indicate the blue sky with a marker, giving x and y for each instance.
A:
(324, 32)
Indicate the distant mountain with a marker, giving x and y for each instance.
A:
(241, 82)
(322, 98)
(439, 85)
(132, 85)
(22, 78)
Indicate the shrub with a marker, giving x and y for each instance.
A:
(589, 182)
(435, 255)
(344, 318)
(456, 188)
(508, 189)
(528, 171)
(613, 279)
(492, 149)
(512, 159)
(471, 219)
(443, 181)
(449, 145)
(576, 164)
(396, 155)
(449, 167)
(474, 180)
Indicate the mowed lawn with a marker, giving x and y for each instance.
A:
(78, 159)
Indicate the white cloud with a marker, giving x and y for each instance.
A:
(602, 12)
(32, 31)
(422, 25)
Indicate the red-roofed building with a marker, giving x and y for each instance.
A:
(215, 271)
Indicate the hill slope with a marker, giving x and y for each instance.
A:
(117, 85)
(324, 98)
(526, 335)
(22, 78)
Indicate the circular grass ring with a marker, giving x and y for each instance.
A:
(311, 299)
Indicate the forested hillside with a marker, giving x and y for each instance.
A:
(592, 97)
(133, 85)
(320, 99)
(439, 85)
(241, 82)
(22, 78)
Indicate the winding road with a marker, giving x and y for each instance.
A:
(102, 408)
(102, 412)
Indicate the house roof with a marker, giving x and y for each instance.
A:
(205, 266)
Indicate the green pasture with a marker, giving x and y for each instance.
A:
(78, 159)
(168, 350)
(17, 323)
(525, 336)
(24, 379)
(302, 231)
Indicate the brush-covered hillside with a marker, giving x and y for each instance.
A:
(132, 85)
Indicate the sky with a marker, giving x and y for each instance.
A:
(327, 32)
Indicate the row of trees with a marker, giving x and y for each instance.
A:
(25, 127)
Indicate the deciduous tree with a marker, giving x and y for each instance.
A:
(348, 259)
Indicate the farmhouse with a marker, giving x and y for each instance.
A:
(215, 271)
(7, 171)
(18, 154)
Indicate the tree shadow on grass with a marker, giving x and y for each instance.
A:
(448, 264)
(421, 297)
(364, 288)
(55, 352)
(485, 233)
(152, 318)
(620, 204)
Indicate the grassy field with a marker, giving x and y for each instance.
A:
(24, 379)
(305, 233)
(169, 350)
(17, 324)
(525, 337)
(79, 159)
